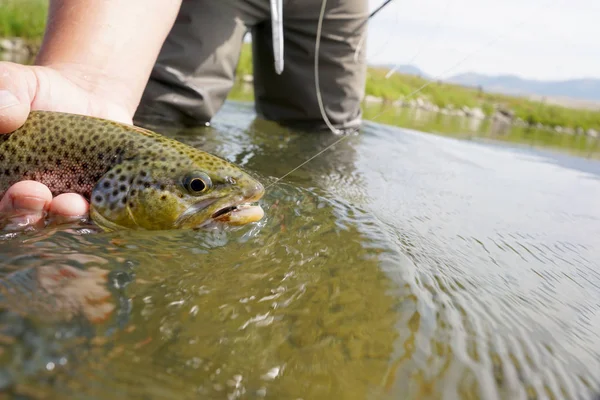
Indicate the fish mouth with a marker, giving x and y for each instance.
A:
(236, 211)
(224, 211)
(239, 212)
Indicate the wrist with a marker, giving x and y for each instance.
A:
(84, 89)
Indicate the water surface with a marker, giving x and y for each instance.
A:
(399, 264)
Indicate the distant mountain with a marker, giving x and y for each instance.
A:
(561, 91)
(588, 89)
(406, 69)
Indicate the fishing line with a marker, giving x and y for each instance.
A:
(364, 34)
(307, 161)
(468, 56)
(317, 47)
(418, 53)
(317, 86)
(433, 80)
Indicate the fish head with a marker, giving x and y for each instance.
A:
(176, 193)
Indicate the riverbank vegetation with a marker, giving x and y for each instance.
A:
(26, 19)
(444, 96)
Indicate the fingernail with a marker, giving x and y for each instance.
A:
(7, 99)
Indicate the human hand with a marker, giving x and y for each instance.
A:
(51, 88)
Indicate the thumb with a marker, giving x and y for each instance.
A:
(15, 95)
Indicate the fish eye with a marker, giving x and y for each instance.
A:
(197, 182)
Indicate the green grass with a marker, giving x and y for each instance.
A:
(23, 18)
(245, 63)
(444, 94)
(27, 19)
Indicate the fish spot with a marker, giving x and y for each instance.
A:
(122, 178)
(123, 188)
(106, 184)
(98, 199)
(163, 197)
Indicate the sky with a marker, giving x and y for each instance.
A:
(534, 39)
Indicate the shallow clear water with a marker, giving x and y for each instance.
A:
(397, 265)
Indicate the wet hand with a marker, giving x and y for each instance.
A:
(67, 89)
(27, 203)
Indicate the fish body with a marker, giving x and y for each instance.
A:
(132, 177)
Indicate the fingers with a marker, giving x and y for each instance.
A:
(17, 90)
(27, 203)
(69, 205)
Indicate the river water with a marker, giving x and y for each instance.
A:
(398, 265)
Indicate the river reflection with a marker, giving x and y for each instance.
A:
(489, 129)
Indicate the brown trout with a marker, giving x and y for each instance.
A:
(132, 177)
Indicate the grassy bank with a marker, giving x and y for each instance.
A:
(27, 18)
(23, 18)
(443, 95)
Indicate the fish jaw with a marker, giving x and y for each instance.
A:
(242, 214)
(103, 222)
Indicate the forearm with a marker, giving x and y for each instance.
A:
(108, 46)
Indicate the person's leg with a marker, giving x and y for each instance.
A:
(290, 98)
(196, 66)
